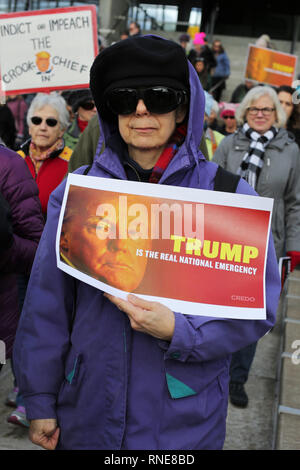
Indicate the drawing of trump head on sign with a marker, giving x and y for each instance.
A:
(43, 62)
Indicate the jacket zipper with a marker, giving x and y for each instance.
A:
(31, 163)
(134, 169)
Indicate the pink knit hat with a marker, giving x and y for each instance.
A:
(199, 38)
(227, 108)
(227, 112)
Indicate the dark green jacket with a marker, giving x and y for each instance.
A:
(72, 134)
(85, 149)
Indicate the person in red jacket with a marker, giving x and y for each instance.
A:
(45, 152)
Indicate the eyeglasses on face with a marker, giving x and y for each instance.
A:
(253, 111)
(88, 105)
(158, 100)
(51, 122)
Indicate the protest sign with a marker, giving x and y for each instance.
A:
(46, 50)
(198, 252)
(270, 67)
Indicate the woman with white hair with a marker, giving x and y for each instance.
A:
(45, 152)
(265, 155)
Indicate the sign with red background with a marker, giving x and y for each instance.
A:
(204, 252)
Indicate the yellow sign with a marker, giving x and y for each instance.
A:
(271, 67)
(192, 30)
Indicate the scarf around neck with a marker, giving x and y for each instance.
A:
(38, 157)
(82, 124)
(253, 159)
(168, 153)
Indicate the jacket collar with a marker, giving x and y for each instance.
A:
(25, 148)
(74, 130)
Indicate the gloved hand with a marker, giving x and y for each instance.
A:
(295, 258)
(6, 230)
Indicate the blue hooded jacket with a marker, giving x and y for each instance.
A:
(109, 386)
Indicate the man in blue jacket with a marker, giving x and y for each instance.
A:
(98, 372)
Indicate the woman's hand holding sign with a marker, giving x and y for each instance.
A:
(148, 317)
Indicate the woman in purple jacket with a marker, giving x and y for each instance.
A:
(98, 372)
(21, 225)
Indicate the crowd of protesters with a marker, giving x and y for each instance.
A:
(47, 135)
(255, 116)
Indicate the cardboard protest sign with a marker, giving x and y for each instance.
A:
(198, 252)
(270, 67)
(47, 50)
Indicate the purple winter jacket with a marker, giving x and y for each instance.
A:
(109, 386)
(21, 192)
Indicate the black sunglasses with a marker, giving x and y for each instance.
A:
(228, 117)
(88, 105)
(158, 100)
(51, 122)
